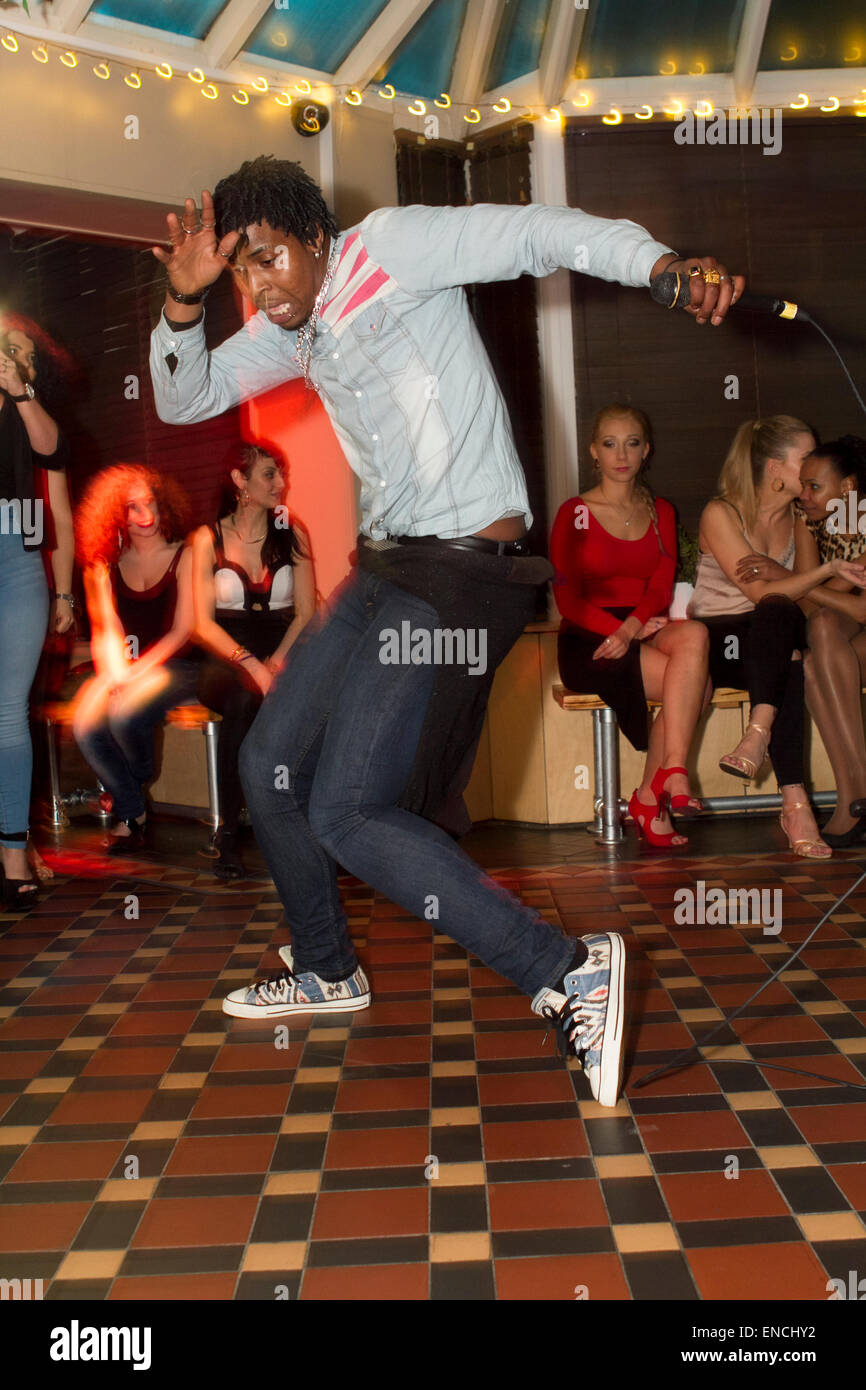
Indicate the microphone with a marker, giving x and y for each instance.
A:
(672, 290)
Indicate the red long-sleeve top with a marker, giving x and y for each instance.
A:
(595, 570)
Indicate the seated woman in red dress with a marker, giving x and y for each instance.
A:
(615, 552)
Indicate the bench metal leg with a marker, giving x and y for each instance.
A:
(596, 827)
(57, 817)
(606, 750)
(211, 733)
(100, 813)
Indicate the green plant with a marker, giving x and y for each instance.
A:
(687, 569)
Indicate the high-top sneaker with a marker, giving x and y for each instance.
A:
(591, 1013)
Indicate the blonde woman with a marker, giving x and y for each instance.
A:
(757, 630)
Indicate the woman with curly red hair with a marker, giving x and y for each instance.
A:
(30, 365)
(131, 524)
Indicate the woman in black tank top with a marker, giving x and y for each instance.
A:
(130, 526)
(254, 591)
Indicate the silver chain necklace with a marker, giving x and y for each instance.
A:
(634, 508)
(307, 331)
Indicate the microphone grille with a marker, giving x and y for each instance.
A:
(670, 289)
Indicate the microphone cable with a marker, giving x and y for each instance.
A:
(671, 289)
(828, 339)
(728, 1019)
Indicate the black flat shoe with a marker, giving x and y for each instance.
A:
(17, 894)
(125, 844)
(858, 807)
(849, 838)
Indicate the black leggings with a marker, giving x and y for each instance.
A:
(754, 651)
(221, 688)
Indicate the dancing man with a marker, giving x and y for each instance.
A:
(375, 319)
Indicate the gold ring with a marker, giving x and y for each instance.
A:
(712, 277)
(694, 270)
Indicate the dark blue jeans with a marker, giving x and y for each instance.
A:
(23, 620)
(323, 767)
(120, 749)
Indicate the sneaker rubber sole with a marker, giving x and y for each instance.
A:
(237, 1009)
(612, 1058)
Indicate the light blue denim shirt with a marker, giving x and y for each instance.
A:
(397, 360)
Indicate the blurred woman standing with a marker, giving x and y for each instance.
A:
(29, 439)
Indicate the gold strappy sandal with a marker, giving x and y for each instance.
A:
(806, 849)
(738, 765)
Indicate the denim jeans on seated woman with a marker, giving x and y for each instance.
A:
(324, 766)
(120, 748)
(23, 624)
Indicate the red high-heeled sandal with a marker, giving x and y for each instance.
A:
(689, 807)
(643, 817)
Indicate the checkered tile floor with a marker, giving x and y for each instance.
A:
(430, 1146)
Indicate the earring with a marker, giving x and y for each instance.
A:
(778, 485)
(245, 497)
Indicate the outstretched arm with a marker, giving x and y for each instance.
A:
(434, 248)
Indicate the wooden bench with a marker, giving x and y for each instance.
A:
(59, 714)
(609, 808)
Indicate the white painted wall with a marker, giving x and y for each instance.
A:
(68, 132)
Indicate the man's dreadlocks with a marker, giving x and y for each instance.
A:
(276, 191)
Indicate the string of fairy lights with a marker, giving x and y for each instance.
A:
(287, 93)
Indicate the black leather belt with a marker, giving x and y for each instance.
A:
(492, 547)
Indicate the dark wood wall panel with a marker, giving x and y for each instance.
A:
(793, 223)
(429, 174)
(507, 316)
(100, 301)
(505, 311)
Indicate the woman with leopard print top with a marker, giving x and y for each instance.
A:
(833, 496)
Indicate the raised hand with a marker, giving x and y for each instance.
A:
(11, 379)
(195, 260)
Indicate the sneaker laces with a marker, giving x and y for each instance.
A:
(565, 1023)
(274, 989)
